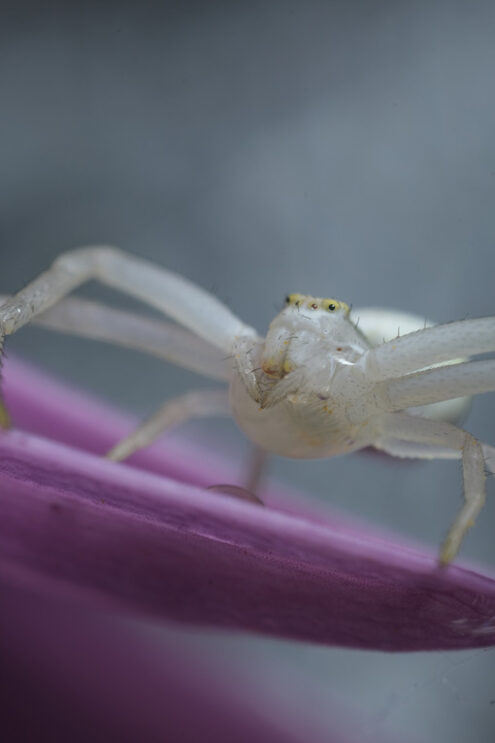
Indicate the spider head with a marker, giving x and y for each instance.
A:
(295, 335)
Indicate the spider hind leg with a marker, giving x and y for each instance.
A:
(411, 436)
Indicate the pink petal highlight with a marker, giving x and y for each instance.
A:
(76, 524)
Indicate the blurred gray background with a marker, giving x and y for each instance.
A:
(336, 148)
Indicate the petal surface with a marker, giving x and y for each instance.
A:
(146, 540)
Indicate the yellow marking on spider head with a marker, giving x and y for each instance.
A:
(317, 303)
(295, 299)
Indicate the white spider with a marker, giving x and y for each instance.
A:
(316, 386)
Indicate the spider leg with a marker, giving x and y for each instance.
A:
(5, 420)
(414, 450)
(441, 383)
(195, 404)
(173, 295)
(132, 330)
(265, 390)
(246, 354)
(381, 325)
(289, 385)
(256, 469)
(424, 348)
(409, 435)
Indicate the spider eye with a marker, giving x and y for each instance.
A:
(332, 307)
(287, 299)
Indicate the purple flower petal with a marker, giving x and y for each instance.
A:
(77, 524)
(77, 675)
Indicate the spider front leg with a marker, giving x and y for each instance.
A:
(441, 383)
(149, 335)
(430, 346)
(188, 304)
(411, 436)
(173, 295)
